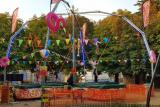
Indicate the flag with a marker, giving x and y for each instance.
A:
(86, 41)
(84, 31)
(146, 8)
(55, 1)
(14, 19)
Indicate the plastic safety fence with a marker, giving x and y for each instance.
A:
(57, 96)
(83, 96)
(1, 89)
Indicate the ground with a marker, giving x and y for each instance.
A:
(35, 102)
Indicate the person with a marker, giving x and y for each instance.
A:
(38, 78)
(94, 68)
(38, 75)
(14, 95)
(55, 76)
(70, 80)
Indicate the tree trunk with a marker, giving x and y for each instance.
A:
(116, 77)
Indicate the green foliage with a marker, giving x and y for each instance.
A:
(128, 48)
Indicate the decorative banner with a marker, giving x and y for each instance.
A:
(146, 8)
(14, 19)
(24, 57)
(95, 41)
(86, 41)
(49, 42)
(58, 42)
(144, 60)
(113, 60)
(67, 62)
(73, 70)
(131, 60)
(84, 31)
(32, 54)
(43, 71)
(125, 61)
(29, 42)
(24, 62)
(105, 39)
(119, 60)
(20, 42)
(100, 61)
(55, 1)
(16, 60)
(67, 41)
(38, 42)
(12, 62)
(106, 60)
(137, 59)
(79, 41)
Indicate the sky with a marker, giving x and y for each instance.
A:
(28, 8)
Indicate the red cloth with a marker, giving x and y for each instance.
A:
(38, 76)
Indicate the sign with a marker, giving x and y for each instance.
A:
(73, 70)
(14, 20)
(43, 71)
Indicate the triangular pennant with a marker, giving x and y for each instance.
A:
(29, 42)
(84, 62)
(106, 60)
(105, 39)
(30, 62)
(43, 61)
(137, 59)
(150, 60)
(60, 61)
(49, 42)
(119, 60)
(38, 42)
(8, 62)
(67, 41)
(12, 62)
(125, 35)
(86, 41)
(144, 60)
(52, 52)
(125, 61)
(95, 41)
(114, 60)
(38, 62)
(78, 62)
(58, 42)
(20, 42)
(131, 60)
(24, 62)
(100, 61)
(16, 60)
(116, 38)
(1, 65)
(24, 57)
(32, 54)
(67, 62)
(73, 39)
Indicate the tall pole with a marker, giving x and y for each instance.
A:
(74, 75)
(46, 46)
